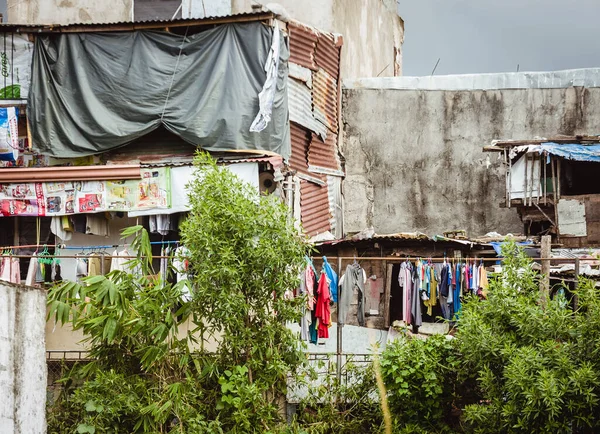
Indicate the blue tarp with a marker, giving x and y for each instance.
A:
(572, 151)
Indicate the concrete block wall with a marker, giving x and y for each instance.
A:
(23, 369)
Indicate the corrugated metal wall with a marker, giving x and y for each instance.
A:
(314, 99)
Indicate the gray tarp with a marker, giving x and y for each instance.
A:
(92, 92)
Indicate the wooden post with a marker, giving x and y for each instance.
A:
(545, 282)
(339, 346)
(555, 197)
(576, 285)
(387, 293)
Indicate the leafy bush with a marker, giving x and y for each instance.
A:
(420, 377)
(150, 370)
(536, 363)
(348, 406)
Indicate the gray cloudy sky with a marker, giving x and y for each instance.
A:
(475, 36)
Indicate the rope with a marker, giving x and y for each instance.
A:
(174, 72)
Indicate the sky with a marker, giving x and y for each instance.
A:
(478, 36)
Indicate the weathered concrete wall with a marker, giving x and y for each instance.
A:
(22, 359)
(414, 159)
(365, 53)
(68, 11)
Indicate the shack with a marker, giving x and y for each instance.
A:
(552, 185)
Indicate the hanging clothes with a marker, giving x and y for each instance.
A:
(483, 281)
(305, 312)
(97, 224)
(165, 252)
(162, 224)
(353, 278)
(432, 301)
(417, 318)
(457, 290)
(333, 279)
(405, 282)
(323, 310)
(57, 228)
(32, 271)
(11, 271)
(181, 265)
(309, 276)
(119, 260)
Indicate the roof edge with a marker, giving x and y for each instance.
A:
(586, 77)
(137, 25)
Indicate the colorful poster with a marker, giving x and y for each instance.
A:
(20, 199)
(59, 198)
(9, 134)
(16, 52)
(152, 191)
(90, 196)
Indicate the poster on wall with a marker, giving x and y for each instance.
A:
(152, 191)
(25, 199)
(9, 134)
(16, 52)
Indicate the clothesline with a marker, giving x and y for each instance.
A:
(64, 247)
(114, 246)
(425, 258)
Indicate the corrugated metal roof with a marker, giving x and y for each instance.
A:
(72, 173)
(301, 107)
(136, 25)
(314, 208)
(300, 73)
(324, 153)
(303, 44)
(325, 99)
(327, 54)
(300, 138)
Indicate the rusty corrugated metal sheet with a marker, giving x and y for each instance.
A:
(72, 173)
(325, 99)
(300, 141)
(324, 153)
(301, 107)
(303, 44)
(327, 54)
(137, 25)
(314, 208)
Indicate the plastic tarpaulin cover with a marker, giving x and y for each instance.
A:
(573, 151)
(569, 151)
(92, 92)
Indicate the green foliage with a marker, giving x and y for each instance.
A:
(150, 368)
(346, 407)
(420, 376)
(536, 363)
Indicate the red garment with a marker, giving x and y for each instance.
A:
(323, 311)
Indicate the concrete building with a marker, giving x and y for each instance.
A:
(365, 53)
(413, 146)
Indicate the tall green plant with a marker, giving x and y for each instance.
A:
(536, 364)
(150, 368)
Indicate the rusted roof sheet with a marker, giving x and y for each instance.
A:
(300, 141)
(324, 153)
(136, 25)
(325, 99)
(314, 208)
(327, 54)
(303, 43)
(73, 173)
